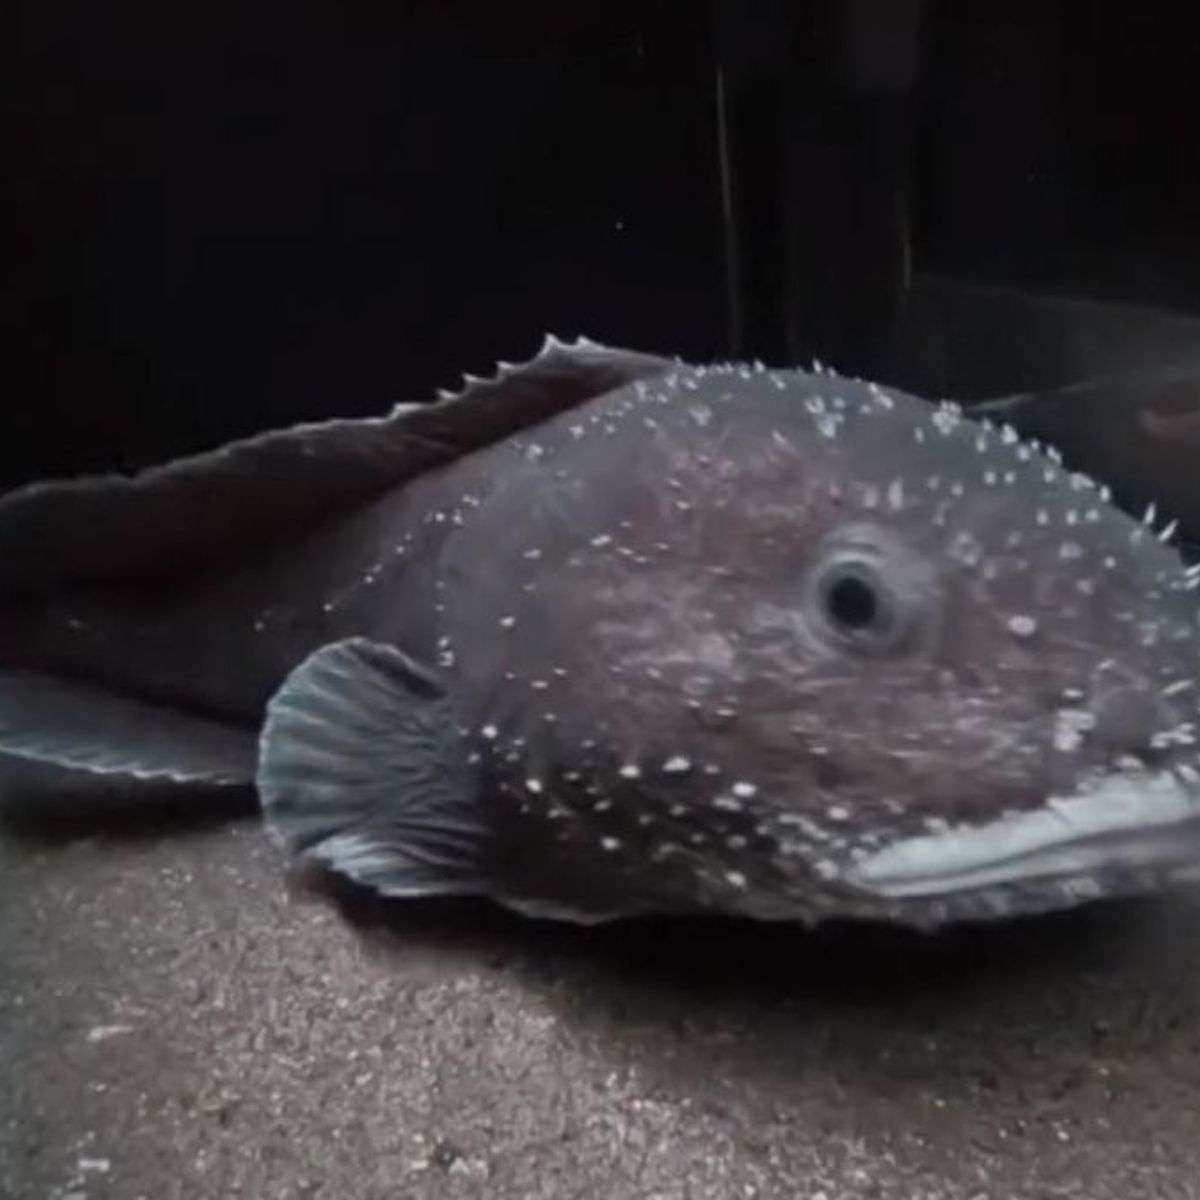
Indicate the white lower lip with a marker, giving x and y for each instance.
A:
(1122, 820)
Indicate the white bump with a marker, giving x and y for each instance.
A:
(837, 813)
(1022, 626)
(490, 732)
(745, 790)
(735, 879)
(610, 844)
(945, 419)
(630, 771)
(508, 622)
(534, 786)
(677, 764)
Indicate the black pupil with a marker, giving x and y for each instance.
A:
(852, 603)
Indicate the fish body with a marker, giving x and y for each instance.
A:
(612, 634)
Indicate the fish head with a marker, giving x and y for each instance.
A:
(824, 647)
(987, 676)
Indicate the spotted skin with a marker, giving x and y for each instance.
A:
(669, 622)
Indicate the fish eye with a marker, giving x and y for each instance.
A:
(852, 602)
(856, 604)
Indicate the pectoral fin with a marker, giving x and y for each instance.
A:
(362, 767)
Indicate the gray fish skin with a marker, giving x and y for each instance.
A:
(664, 688)
(777, 644)
(222, 642)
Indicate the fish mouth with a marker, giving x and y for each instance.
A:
(1116, 827)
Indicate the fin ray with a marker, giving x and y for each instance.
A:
(361, 767)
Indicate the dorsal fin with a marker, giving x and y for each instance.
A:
(177, 516)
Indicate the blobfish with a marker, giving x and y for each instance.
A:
(608, 634)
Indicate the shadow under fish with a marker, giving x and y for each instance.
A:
(608, 634)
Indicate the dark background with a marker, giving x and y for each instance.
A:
(215, 221)
(220, 219)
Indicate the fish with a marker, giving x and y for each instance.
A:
(606, 634)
